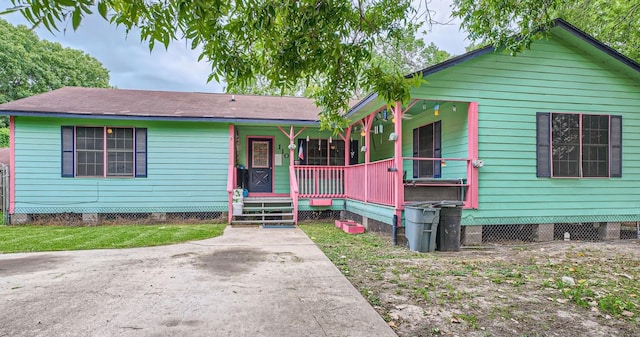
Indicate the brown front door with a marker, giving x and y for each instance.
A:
(260, 165)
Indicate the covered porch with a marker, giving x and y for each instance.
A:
(423, 151)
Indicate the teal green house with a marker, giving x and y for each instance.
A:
(542, 144)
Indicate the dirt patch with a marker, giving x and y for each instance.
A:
(28, 264)
(509, 289)
(285, 257)
(231, 262)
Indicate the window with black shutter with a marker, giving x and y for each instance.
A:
(578, 145)
(104, 151)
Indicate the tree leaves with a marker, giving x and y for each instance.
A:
(31, 66)
(515, 24)
(281, 42)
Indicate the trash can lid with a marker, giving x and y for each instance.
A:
(438, 203)
(419, 204)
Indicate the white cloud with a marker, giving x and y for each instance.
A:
(445, 32)
(131, 64)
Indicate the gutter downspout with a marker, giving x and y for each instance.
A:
(394, 230)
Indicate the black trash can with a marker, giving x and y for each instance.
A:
(448, 234)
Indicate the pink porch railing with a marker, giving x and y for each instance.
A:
(374, 182)
(371, 182)
(320, 181)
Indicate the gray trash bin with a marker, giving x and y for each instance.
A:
(421, 223)
(448, 234)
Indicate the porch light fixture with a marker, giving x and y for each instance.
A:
(454, 108)
(292, 146)
(436, 110)
(307, 138)
(393, 137)
(363, 133)
(424, 105)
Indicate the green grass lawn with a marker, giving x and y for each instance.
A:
(15, 239)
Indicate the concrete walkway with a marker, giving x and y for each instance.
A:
(248, 282)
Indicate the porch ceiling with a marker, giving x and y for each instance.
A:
(421, 107)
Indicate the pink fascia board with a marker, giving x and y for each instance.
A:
(12, 164)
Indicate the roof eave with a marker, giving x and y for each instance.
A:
(157, 118)
(599, 45)
(427, 71)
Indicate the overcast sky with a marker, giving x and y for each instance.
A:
(132, 66)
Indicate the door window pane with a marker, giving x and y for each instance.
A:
(260, 154)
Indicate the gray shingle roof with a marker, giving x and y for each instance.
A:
(75, 102)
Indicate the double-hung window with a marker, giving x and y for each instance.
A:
(104, 151)
(576, 145)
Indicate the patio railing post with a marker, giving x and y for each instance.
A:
(398, 184)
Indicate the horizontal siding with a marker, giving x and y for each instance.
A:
(336, 205)
(185, 170)
(551, 77)
(380, 213)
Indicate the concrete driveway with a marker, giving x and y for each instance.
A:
(248, 282)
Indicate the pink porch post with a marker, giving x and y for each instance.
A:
(399, 187)
(293, 182)
(347, 144)
(472, 120)
(291, 137)
(231, 178)
(12, 164)
(366, 124)
(347, 151)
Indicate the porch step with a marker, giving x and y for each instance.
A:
(265, 214)
(267, 200)
(266, 208)
(271, 211)
(288, 222)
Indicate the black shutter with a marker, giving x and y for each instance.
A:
(543, 141)
(141, 152)
(615, 134)
(67, 163)
(437, 149)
